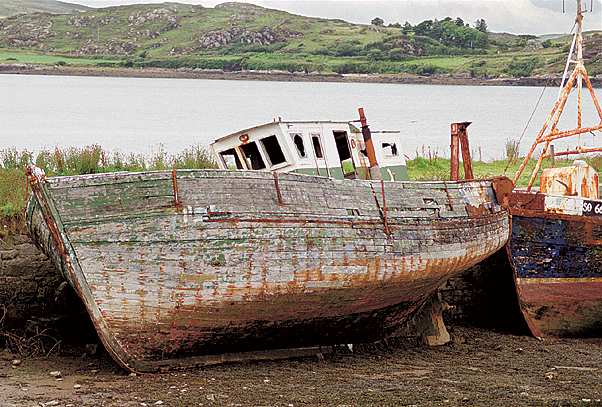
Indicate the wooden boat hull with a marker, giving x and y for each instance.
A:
(176, 268)
(557, 260)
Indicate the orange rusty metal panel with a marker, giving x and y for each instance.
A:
(459, 140)
(572, 181)
(562, 308)
(526, 201)
(454, 174)
(503, 186)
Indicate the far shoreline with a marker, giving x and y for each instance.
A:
(189, 73)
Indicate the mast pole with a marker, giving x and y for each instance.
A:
(579, 66)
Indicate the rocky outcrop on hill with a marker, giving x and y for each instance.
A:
(31, 31)
(221, 37)
(593, 50)
(26, 32)
(163, 15)
(240, 6)
(408, 47)
(113, 46)
(132, 31)
(81, 21)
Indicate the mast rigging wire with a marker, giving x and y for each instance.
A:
(515, 152)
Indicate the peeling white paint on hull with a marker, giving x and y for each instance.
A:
(178, 267)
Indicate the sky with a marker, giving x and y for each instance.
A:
(535, 17)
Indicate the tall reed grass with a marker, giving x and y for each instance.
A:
(428, 166)
(94, 159)
(78, 161)
(13, 198)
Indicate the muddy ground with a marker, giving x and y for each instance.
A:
(479, 367)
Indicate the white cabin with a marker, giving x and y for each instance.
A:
(326, 148)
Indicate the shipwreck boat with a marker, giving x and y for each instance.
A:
(307, 243)
(556, 244)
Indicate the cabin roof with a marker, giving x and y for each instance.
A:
(279, 122)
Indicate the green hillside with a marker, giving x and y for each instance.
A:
(235, 36)
(12, 7)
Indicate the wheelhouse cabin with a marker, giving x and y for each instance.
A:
(325, 148)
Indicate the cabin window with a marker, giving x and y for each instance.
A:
(251, 153)
(340, 138)
(273, 150)
(298, 140)
(389, 149)
(230, 159)
(315, 139)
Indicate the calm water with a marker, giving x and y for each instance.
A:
(141, 115)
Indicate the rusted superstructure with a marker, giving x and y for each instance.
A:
(556, 242)
(187, 267)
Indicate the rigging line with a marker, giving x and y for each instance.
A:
(515, 152)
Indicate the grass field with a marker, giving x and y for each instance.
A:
(28, 58)
(423, 169)
(12, 7)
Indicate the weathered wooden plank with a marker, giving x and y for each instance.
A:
(231, 261)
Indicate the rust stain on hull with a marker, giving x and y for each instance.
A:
(229, 268)
(562, 308)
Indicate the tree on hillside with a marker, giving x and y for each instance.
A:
(453, 33)
(407, 28)
(481, 25)
(377, 21)
(461, 36)
(424, 28)
(436, 30)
